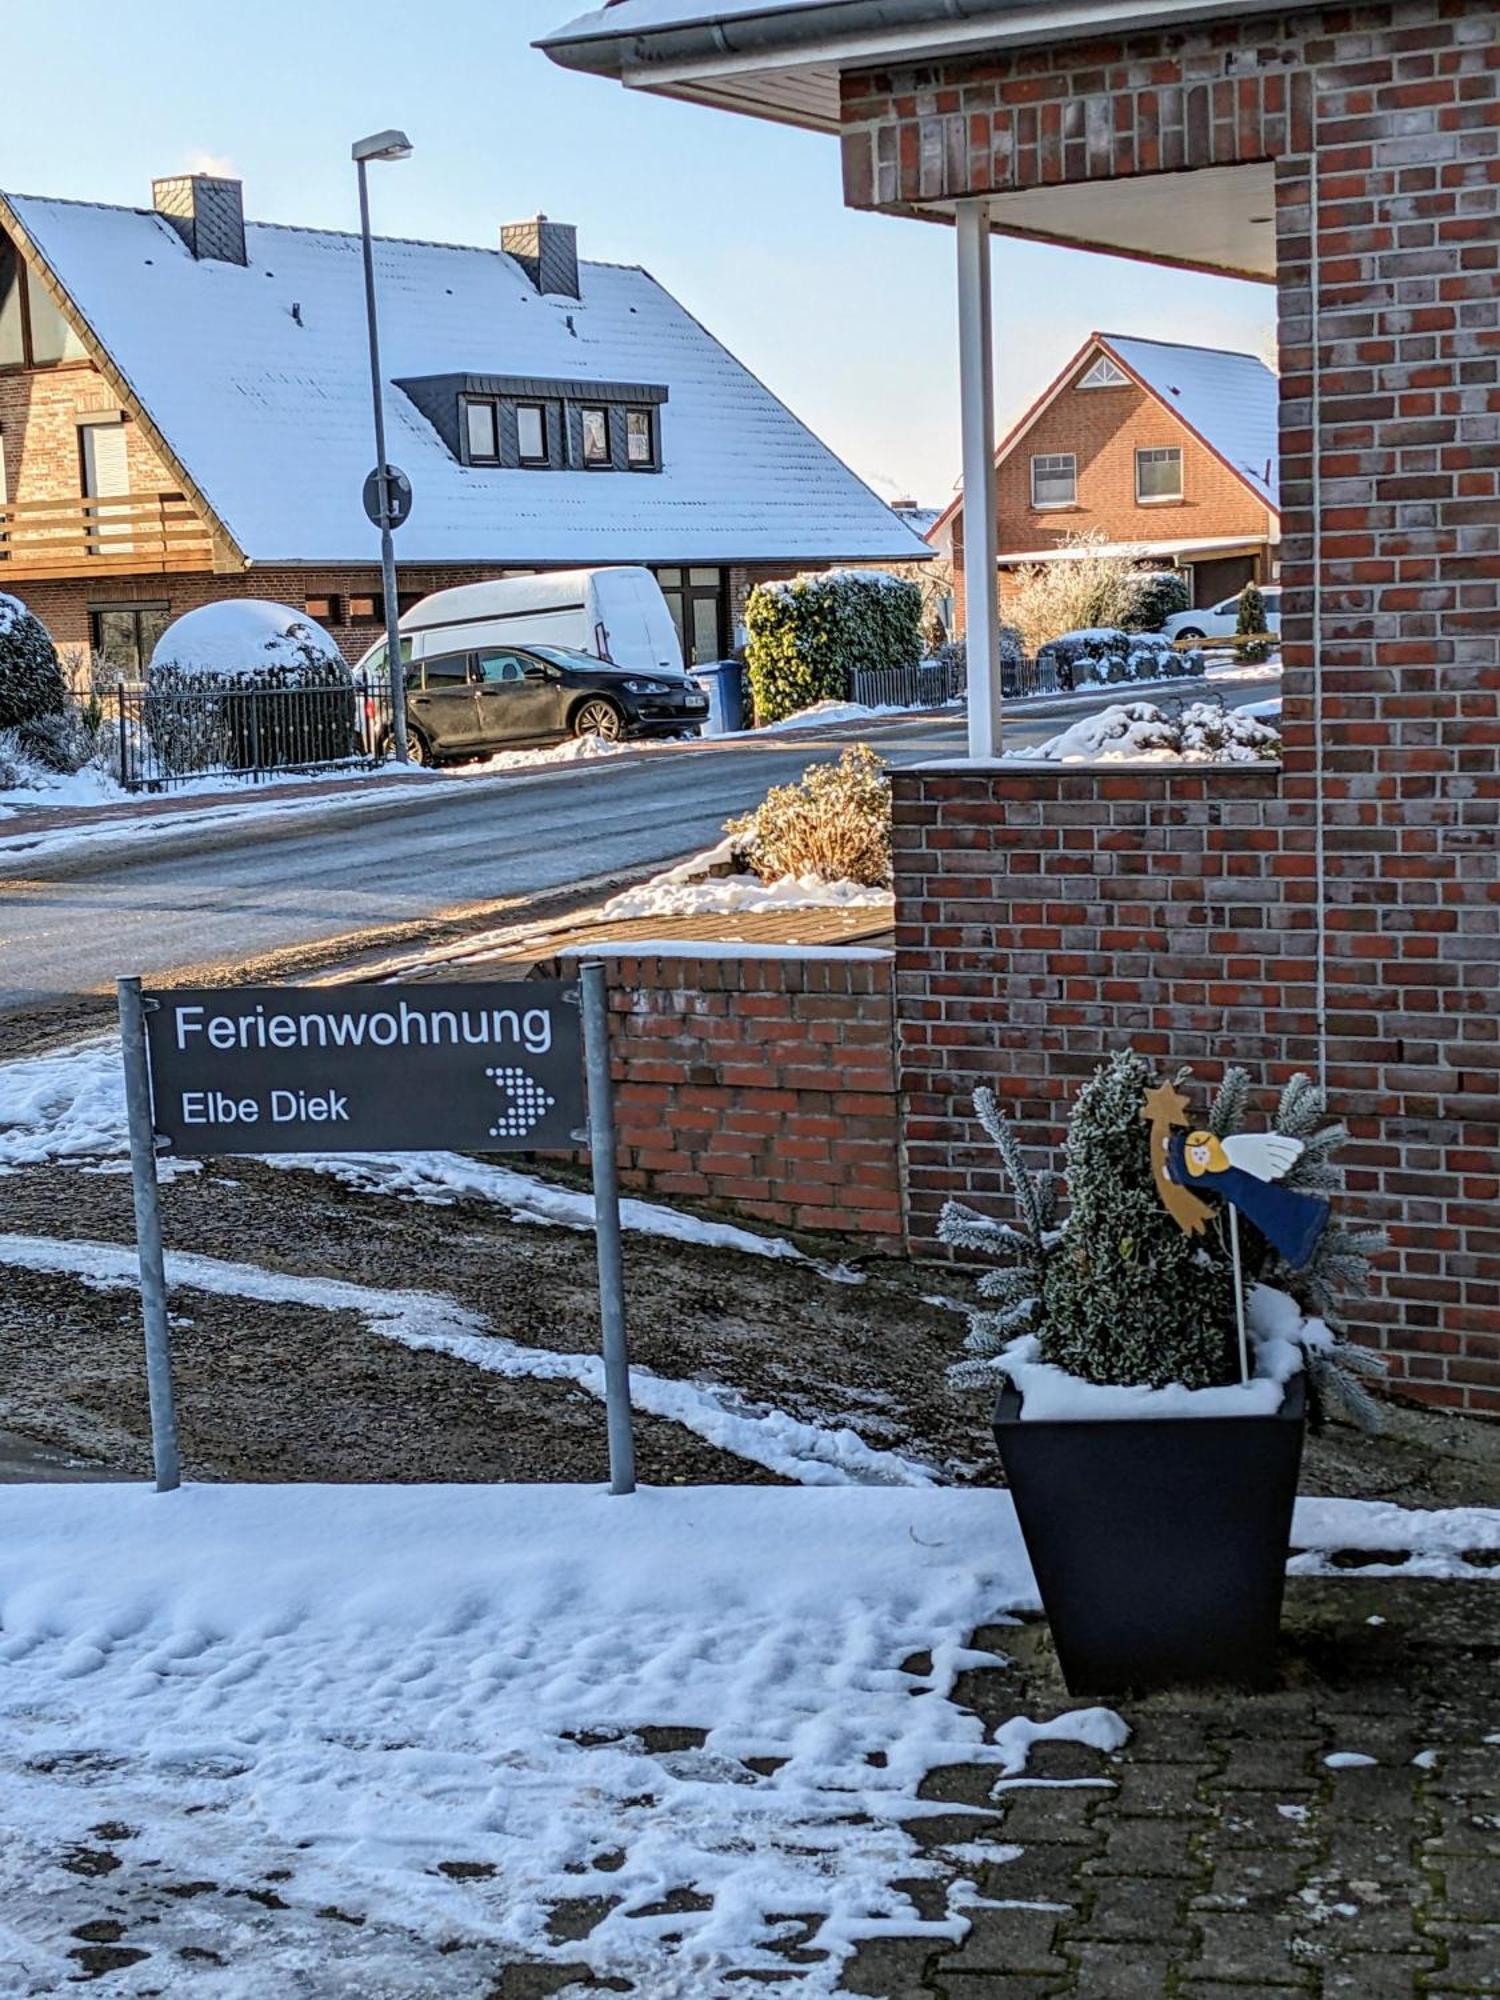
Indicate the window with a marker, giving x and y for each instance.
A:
(325, 609)
(531, 434)
(452, 670)
(33, 333)
(123, 635)
(501, 667)
(365, 610)
(1158, 473)
(1054, 479)
(595, 437)
(481, 431)
(640, 440)
(696, 600)
(1105, 375)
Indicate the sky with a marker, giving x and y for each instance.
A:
(849, 318)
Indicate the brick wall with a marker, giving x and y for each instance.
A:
(1384, 128)
(40, 414)
(764, 1085)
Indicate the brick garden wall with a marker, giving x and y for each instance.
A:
(764, 1085)
(1046, 917)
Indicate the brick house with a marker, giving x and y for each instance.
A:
(1148, 445)
(185, 416)
(1339, 912)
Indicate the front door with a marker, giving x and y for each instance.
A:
(444, 707)
(518, 700)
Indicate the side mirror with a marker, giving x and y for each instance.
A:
(536, 673)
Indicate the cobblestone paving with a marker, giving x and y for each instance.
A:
(1228, 1858)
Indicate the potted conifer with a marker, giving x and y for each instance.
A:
(1156, 1354)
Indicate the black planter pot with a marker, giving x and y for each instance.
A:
(1159, 1544)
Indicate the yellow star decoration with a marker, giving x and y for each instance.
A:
(1166, 1107)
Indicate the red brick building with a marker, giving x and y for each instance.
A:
(1338, 913)
(1164, 450)
(184, 416)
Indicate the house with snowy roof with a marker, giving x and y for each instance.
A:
(1164, 449)
(185, 415)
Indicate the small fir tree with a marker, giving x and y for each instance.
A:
(1120, 1293)
(32, 683)
(1251, 618)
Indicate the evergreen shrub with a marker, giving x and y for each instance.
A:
(32, 682)
(809, 637)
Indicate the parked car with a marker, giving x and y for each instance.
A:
(472, 702)
(617, 615)
(1222, 619)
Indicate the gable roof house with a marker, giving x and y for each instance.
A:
(1165, 449)
(185, 414)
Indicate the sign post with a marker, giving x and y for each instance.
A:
(133, 1015)
(371, 1069)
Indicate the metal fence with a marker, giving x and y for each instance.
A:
(157, 737)
(933, 683)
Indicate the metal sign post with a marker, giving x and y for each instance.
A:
(164, 1451)
(493, 1068)
(607, 1227)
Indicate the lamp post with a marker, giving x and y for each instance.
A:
(383, 146)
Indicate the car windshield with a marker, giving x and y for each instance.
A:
(569, 656)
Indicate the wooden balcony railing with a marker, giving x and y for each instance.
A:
(130, 532)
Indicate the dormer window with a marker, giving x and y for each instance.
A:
(640, 440)
(595, 422)
(482, 431)
(531, 433)
(1105, 375)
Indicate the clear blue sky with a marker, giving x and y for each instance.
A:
(849, 318)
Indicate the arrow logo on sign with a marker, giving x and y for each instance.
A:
(528, 1103)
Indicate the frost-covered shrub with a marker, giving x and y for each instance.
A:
(63, 742)
(1251, 618)
(1120, 1293)
(835, 823)
(247, 685)
(31, 676)
(1205, 732)
(1159, 594)
(809, 637)
(1109, 654)
(953, 656)
(1081, 588)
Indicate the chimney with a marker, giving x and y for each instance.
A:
(546, 251)
(207, 213)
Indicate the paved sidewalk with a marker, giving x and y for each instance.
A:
(1227, 1858)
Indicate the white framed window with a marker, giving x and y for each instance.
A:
(595, 436)
(1158, 473)
(1054, 479)
(531, 434)
(640, 438)
(482, 431)
(1105, 375)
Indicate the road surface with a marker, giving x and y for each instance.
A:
(70, 925)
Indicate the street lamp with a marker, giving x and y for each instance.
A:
(383, 146)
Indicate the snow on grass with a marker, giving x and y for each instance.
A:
(70, 1105)
(426, 1705)
(807, 1453)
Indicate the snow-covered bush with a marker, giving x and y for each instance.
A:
(1108, 653)
(834, 824)
(953, 654)
(1083, 587)
(1159, 594)
(1121, 1293)
(1251, 618)
(809, 637)
(248, 685)
(63, 742)
(1204, 732)
(31, 676)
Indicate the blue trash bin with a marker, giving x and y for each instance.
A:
(723, 682)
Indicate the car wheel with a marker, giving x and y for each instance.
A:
(1190, 632)
(598, 717)
(419, 750)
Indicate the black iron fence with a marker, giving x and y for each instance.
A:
(160, 736)
(935, 682)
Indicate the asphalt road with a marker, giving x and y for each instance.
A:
(71, 925)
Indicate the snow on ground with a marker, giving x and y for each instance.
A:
(808, 1453)
(823, 714)
(423, 1705)
(671, 895)
(1138, 732)
(70, 1105)
(577, 749)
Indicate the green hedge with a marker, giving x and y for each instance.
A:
(808, 637)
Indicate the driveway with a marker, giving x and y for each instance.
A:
(216, 897)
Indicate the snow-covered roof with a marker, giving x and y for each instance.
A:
(269, 412)
(1228, 399)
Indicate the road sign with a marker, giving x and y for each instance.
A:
(398, 495)
(488, 1068)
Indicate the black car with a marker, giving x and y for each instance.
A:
(502, 697)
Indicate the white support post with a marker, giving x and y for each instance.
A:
(976, 379)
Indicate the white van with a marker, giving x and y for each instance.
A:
(617, 615)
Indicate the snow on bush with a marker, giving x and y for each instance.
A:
(31, 677)
(1108, 653)
(834, 824)
(1159, 595)
(1139, 731)
(809, 637)
(217, 690)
